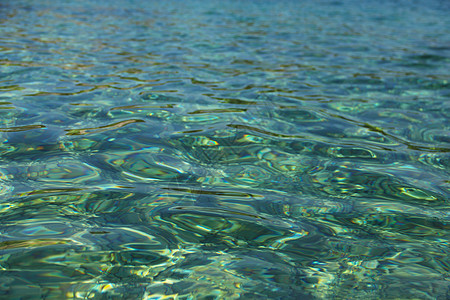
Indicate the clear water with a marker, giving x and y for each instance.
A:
(224, 150)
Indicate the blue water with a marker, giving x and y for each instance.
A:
(224, 150)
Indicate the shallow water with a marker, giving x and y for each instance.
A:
(224, 150)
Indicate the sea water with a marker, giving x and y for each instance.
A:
(224, 149)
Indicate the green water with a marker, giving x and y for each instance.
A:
(224, 150)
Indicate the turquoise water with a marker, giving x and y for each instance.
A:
(224, 150)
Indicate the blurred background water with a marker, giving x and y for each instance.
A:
(224, 149)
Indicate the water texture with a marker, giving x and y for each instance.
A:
(224, 150)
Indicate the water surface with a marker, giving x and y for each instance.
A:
(224, 150)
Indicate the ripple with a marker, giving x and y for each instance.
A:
(53, 171)
(84, 131)
(22, 128)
